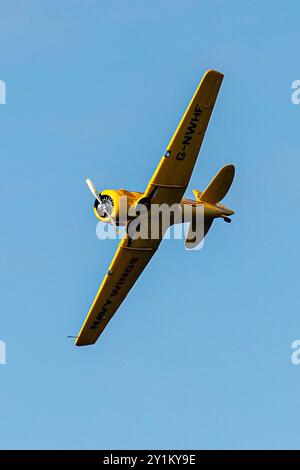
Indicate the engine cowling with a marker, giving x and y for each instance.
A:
(117, 203)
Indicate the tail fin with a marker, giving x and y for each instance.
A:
(219, 186)
(197, 194)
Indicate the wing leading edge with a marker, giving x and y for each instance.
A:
(174, 170)
(124, 270)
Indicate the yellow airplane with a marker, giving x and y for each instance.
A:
(166, 186)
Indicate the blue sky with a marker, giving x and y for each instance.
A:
(199, 355)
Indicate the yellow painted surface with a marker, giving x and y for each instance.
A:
(167, 185)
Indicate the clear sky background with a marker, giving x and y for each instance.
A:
(199, 355)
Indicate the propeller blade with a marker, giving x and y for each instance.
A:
(112, 222)
(93, 190)
(96, 196)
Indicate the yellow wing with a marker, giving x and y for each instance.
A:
(173, 173)
(128, 263)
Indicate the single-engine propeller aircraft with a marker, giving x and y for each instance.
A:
(167, 186)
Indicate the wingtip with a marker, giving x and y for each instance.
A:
(80, 342)
(214, 72)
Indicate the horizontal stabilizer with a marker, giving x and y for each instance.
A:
(219, 186)
(193, 239)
